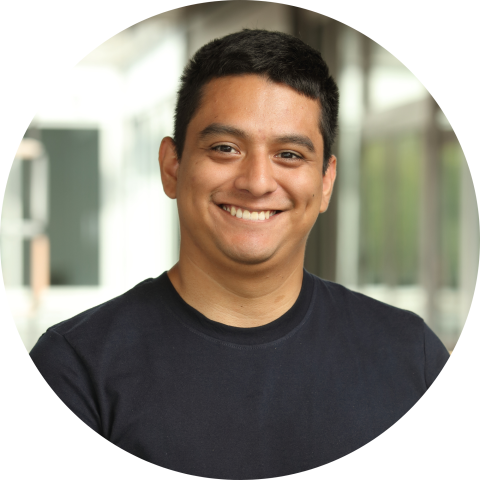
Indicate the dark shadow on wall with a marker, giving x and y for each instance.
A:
(73, 206)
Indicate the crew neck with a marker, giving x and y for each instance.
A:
(263, 334)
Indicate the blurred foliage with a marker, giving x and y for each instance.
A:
(373, 212)
(390, 211)
(451, 160)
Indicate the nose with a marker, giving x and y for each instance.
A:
(256, 175)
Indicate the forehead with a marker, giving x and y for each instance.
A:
(257, 104)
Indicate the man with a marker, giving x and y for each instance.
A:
(237, 363)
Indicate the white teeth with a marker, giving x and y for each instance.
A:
(247, 215)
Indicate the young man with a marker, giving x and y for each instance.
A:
(237, 363)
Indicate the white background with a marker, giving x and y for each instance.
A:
(42, 40)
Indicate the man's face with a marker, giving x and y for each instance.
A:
(249, 185)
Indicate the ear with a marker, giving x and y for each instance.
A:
(328, 181)
(167, 158)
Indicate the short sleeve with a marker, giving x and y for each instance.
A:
(65, 373)
(436, 355)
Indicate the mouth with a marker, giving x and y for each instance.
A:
(252, 215)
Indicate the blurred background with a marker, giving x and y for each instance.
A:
(85, 218)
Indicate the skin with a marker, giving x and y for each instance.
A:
(256, 145)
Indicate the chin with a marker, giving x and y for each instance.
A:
(248, 258)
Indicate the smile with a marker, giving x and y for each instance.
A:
(248, 215)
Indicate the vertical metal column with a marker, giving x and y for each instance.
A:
(430, 213)
(320, 254)
(469, 243)
(390, 261)
(351, 84)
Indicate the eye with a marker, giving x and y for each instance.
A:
(223, 149)
(290, 155)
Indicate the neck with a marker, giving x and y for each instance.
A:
(246, 296)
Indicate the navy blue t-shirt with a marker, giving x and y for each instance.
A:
(160, 380)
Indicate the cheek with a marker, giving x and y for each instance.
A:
(306, 189)
(198, 182)
(210, 177)
(190, 179)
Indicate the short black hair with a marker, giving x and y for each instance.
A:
(279, 57)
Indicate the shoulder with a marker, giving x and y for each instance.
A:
(117, 321)
(384, 333)
(355, 306)
(364, 321)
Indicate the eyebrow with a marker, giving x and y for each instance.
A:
(300, 140)
(221, 129)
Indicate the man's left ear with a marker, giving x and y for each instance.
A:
(328, 182)
(167, 158)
